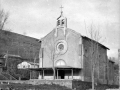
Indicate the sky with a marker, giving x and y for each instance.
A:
(36, 18)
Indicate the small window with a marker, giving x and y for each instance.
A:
(28, 66)
(58, 23)
(63, 22)
(24, 66)
(86, 52)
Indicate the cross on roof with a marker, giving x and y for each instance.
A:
(61, 8)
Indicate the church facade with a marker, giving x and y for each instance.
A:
(69, 54)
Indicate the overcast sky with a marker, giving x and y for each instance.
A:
(36, 18)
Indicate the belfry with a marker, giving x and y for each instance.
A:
(61, 22)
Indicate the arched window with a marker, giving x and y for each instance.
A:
(60, 63)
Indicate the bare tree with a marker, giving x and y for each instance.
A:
(52, 54)
(3, 18)
(94, 52)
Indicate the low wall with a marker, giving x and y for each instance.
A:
(66, 83)
(80, 85)
(72, 84)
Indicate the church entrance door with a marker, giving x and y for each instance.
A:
(61, 74)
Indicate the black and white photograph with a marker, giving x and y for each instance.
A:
(59, 44)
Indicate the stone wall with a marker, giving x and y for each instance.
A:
(86, 59)
(71, 84)
(67, 83)
(100, 62)
(111, 72)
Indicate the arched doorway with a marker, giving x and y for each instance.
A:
(60, 72)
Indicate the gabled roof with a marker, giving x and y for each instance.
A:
(32, 63)
(96, 42)
(78, 35)
(88, 38)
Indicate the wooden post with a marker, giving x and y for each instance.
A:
(57, 73)
(72, 73)
(43, 75)
(30, 74)
(19, 78)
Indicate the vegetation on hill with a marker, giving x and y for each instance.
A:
(14, 71)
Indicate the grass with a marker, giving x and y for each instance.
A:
(14, 86)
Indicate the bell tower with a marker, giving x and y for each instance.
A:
(61, 22)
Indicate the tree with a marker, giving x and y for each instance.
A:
(14, 71)
(53, 55)
(50, 50)
(94, 53)
(3, 18)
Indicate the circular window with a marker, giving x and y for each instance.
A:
(61, 47)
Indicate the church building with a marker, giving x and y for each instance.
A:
(67, 52)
